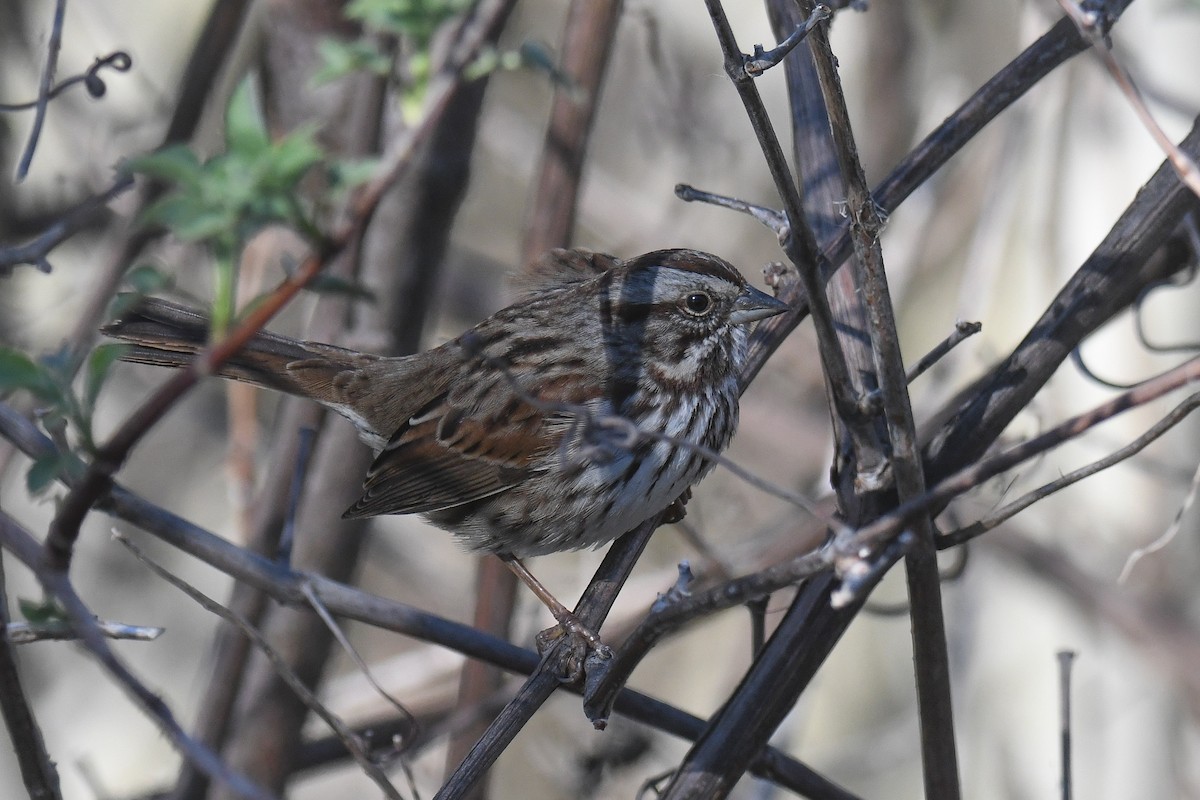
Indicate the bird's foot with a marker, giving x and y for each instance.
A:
(574, 646)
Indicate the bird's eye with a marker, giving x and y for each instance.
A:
(697, 304)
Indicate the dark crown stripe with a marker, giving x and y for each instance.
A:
(690, 261)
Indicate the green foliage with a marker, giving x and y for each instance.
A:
(349, 173)
(342, 58)
(60, 407)
(416, 20)
(19, 371)
(223, 201)
(413, 22)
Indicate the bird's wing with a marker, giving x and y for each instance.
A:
(457, 450)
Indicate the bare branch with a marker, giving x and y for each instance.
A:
(36, 251)
(47, 84)
(851, 547)
(965, 534)
(770, 217)
(278, 661)
(763, 60)
(1094, 26)
(55, 581)
(962, 332)
(27, 632)
(37, 768)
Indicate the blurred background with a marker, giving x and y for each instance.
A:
(991, 239)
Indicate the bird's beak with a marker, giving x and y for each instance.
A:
(752, 305)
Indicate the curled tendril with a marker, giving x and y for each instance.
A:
(1179, 280)
(118, 60)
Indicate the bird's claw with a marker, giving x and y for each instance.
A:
(575, 648)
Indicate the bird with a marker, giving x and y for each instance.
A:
(560, 422)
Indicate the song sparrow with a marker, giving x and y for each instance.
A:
(506, 435)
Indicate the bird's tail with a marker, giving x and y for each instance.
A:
(168, 334)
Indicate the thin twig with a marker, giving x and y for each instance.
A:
(1094, 26)
(55, 581)
(763, 60)
(27, 632)
(859, 543)
(44, 89)
(965, 534)
(315, 603)
(772, 218)
(331, 624)
(962, 331)
(36, 251)
(352, 742)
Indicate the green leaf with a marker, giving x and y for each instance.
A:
(416, 19)
(345, 58)
(293, 156)
(349, 173)
(98, 365)
(189, 218)
(19, 371)
(44, 472)
(47, 610)
(175, 164)
(245, 129)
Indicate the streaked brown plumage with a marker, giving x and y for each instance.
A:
(505, 435)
